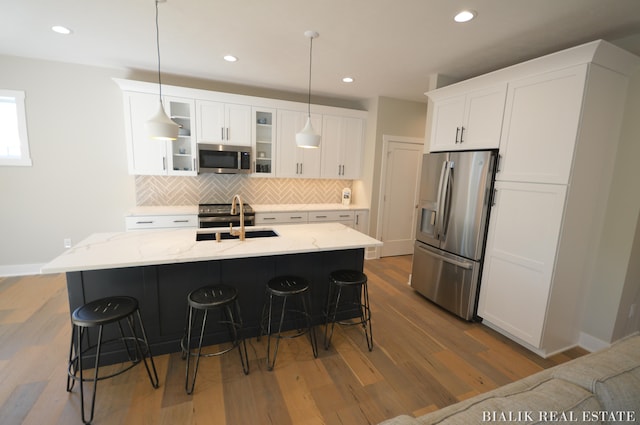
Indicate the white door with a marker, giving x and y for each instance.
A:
(401, 175)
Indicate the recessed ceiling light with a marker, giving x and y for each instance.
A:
(347, 80)
(60, 29)
(465, 16)
(230, 58)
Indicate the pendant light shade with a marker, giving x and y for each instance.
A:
(307, 137)
(160, 126)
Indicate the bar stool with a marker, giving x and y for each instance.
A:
(286, 287)
(349, 281)
(218, 297)
(98, 314)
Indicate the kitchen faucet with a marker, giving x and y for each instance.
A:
(235, 212)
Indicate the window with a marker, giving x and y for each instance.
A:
(14, 145)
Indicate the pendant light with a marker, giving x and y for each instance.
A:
(161, 127)
(307, 138)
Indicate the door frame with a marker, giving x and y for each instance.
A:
(386, 138)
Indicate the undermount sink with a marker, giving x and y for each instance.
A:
(248, 234)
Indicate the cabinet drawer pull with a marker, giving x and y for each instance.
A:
(345, 215)
(295, 217)
(321, 216)
(269, 218)
(144, 222)
(180, 221)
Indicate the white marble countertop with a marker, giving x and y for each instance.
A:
(168, 246)
(193, 209)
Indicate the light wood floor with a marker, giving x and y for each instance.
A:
(423, 359)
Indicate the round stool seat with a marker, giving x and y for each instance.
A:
(104, 311)
(212, 296)
(348, 277)
(287, 285)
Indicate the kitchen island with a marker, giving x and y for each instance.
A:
(160, 267)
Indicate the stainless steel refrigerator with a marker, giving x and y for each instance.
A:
(455, 195)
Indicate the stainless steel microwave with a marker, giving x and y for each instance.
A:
(224, 159)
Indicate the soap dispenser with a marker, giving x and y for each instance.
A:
(346, 196)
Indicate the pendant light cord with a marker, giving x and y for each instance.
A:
(310, 56)
(158, 49)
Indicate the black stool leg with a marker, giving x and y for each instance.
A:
(73, 363)
(95, 375)
(272, 363)
(365, 317)
(155, 383)
(306, 308)
(331, 318)
(189, 388)
(236, 328)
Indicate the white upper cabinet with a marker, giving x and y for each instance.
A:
(158, 157)
(541, 126)
(469, 121)
(264, 142)
(293, 161)
(341, 143)
(223, 123)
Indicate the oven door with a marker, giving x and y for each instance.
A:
(225, 221)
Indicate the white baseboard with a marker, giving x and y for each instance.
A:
(591, 343)
(371, 253)
(20, 269)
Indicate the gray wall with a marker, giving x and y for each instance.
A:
(615, 283)
(78, 183)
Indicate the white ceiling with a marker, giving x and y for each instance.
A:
(390, 47)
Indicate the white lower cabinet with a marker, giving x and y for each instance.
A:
(520, 257)
(344, 217)
(140, 222)
(349, 218)
(265, 218)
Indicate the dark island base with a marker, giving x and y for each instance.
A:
(162, 292)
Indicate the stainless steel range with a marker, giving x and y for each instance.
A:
(219, 215)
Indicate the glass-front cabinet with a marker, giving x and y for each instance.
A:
(182, 152)
(264, 121)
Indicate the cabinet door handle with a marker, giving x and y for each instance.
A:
(493, 198)
(301, 168)
(228, 137)
(221, 133)
(357, 219)
(461, 134)
(164, 163)
(457, 134)
(498, 161)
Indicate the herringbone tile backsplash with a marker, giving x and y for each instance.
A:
(220, 188)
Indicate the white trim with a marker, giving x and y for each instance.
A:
(20, 269)
(591, 343)
(386, 138)
(25, 156)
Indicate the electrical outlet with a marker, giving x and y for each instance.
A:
(632, 311)
(67, 242)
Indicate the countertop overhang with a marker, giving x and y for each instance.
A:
(168, 246)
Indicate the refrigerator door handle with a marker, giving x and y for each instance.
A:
(464, 265)
(439, 201)
(445, 206)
